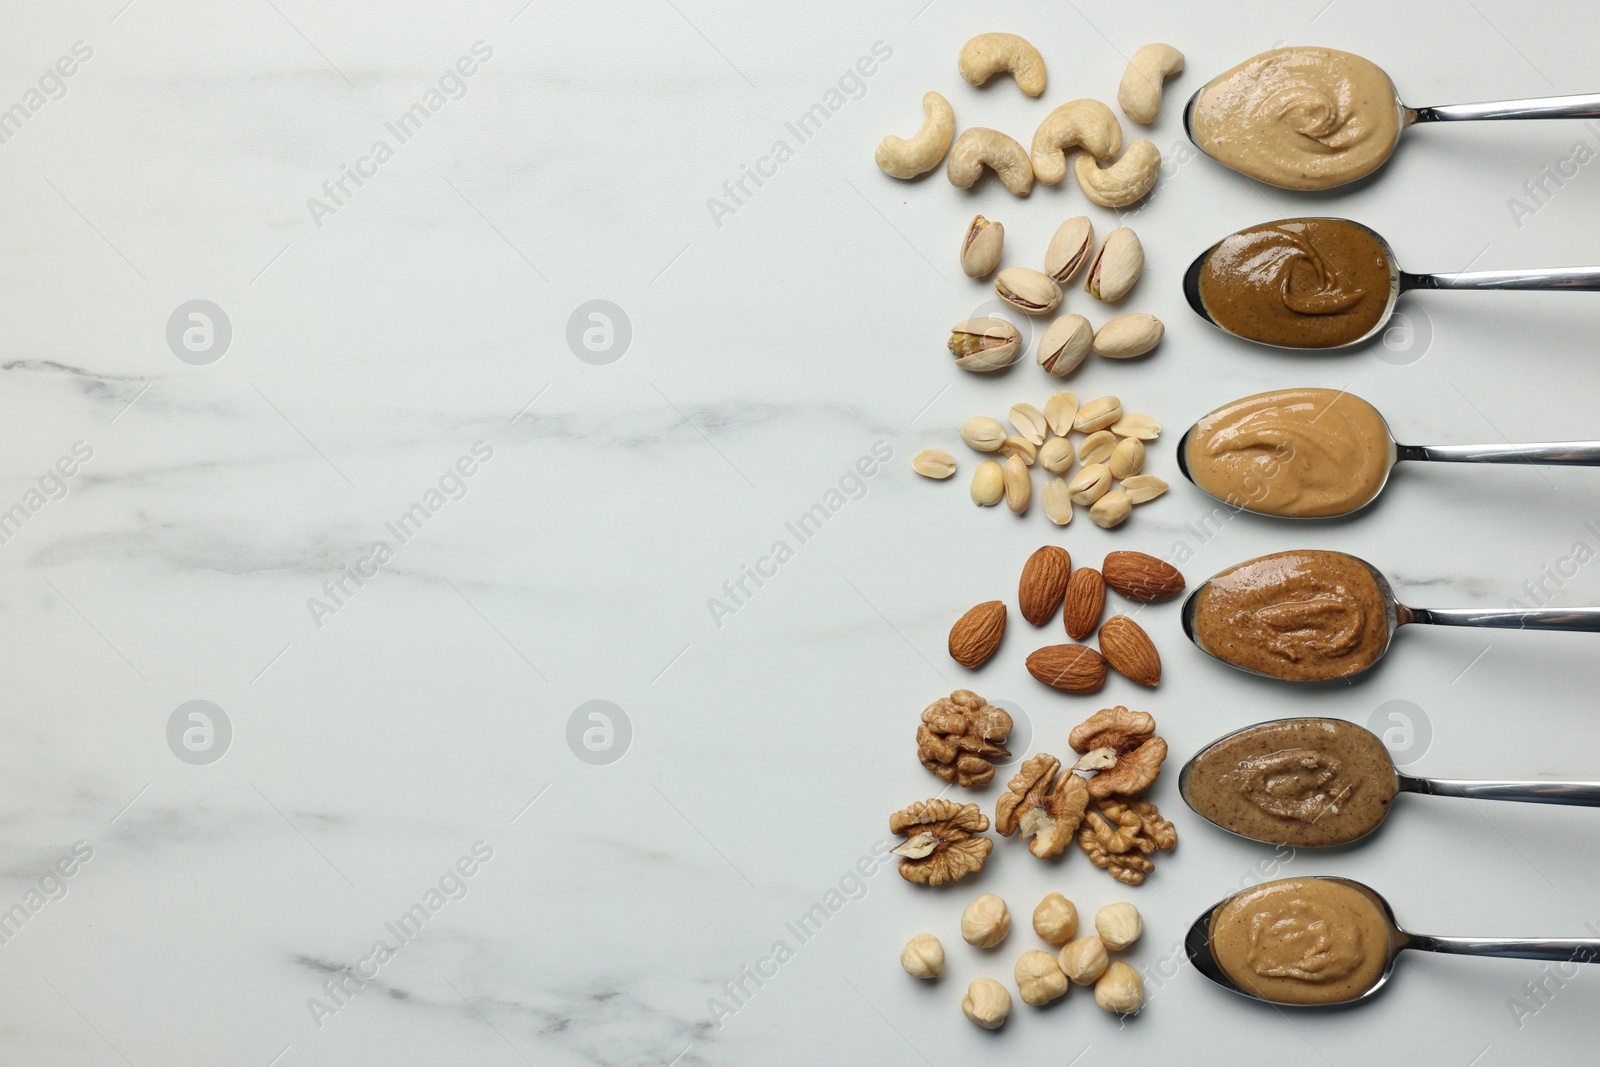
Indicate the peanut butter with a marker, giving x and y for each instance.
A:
(1300, 453)
(1301, 782)
(1303, 615)
(1299, 283)
(1300, 118)
(1303, 941)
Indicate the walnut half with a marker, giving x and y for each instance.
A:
(1121, 747)
(1043, 805)
(940, 846)
(960, 734)
(1121, 832)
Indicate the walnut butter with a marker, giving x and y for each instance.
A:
(1303, 941)
(1303, 615)
(1296, 452)
(1299, 283)
(1300, 782)
(1300, 118)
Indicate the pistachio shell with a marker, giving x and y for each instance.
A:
(1030, 291)
(1065, 345)
(984, 344)
(981, 247)
(1069, 249)
(1116, 266)
(1127, 336)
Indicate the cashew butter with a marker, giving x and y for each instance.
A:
(1303, 941)
(1300, 118)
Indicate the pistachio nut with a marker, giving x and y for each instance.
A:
(1127, 459)
(1116, 266)
(1027, 290)
(1029, 422)
(1021, 447)
(1018, 483)
(1127, 336)
(1090, 484)
(1059, 411)
(1110, 510)
(984, 344)
(988, 484)
(983, 433)
(980, 248)
(1065, 344)
(1098, 414)
(1097, 447)
(1057, 501)
(934, 463)
(1055, 455)
(1069, 249)
(1143, 488)
(1143, 427)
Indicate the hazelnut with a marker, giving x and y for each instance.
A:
(1055, 919)
(1039, 977)
(986, 921)
(1118, 925)
(987, 1003)
(1083, 960)
(1120, 989)
(923, 957)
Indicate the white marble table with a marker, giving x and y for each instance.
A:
(397, 509)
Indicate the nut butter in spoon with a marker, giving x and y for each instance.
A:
(1311, 615)
(1322, 942)
(1319, 453)
(1323, 283)
(1309, 118)
(1312, 783)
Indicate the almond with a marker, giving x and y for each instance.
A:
(1043, 584)
(1073, 668)
(977, 634)
(1085, 600)
(1129, 651)
(1141, 577)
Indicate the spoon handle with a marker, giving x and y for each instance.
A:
(1581, 794)
(1573, 949)
(1576, 279)
(1584, 620)
(1581, 106)
(1552, 453)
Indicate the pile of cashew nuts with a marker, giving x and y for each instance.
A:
(1077, 124)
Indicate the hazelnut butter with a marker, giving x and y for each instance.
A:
(1303, 615)
(1303, 941)
(1301, 453)
(1300, 118)
(1299, 283)
(1300, 782)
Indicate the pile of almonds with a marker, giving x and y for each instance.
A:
(1112, 449)
(1048, 585)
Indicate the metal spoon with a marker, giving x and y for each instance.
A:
(1580, 794)
(1555, 453)
(1579, 279)
(1580, 106)
(1396, 614)
(1573, 949)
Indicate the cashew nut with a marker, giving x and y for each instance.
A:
(1120, 184)
(907, 158)
(1140, 91)
(987, 53)
(979, 146)
(1086, 124)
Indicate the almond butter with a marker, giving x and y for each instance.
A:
(1043, 584)
(1140, 577)
(1072, 668)
(1085, 600)
(1129, 651)
(977, 634)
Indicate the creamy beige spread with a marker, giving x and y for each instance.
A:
(1300, 118)
(1295, 452)
(1303, 615)
(1301, 782)
(1302, 941)
(1300, 283)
